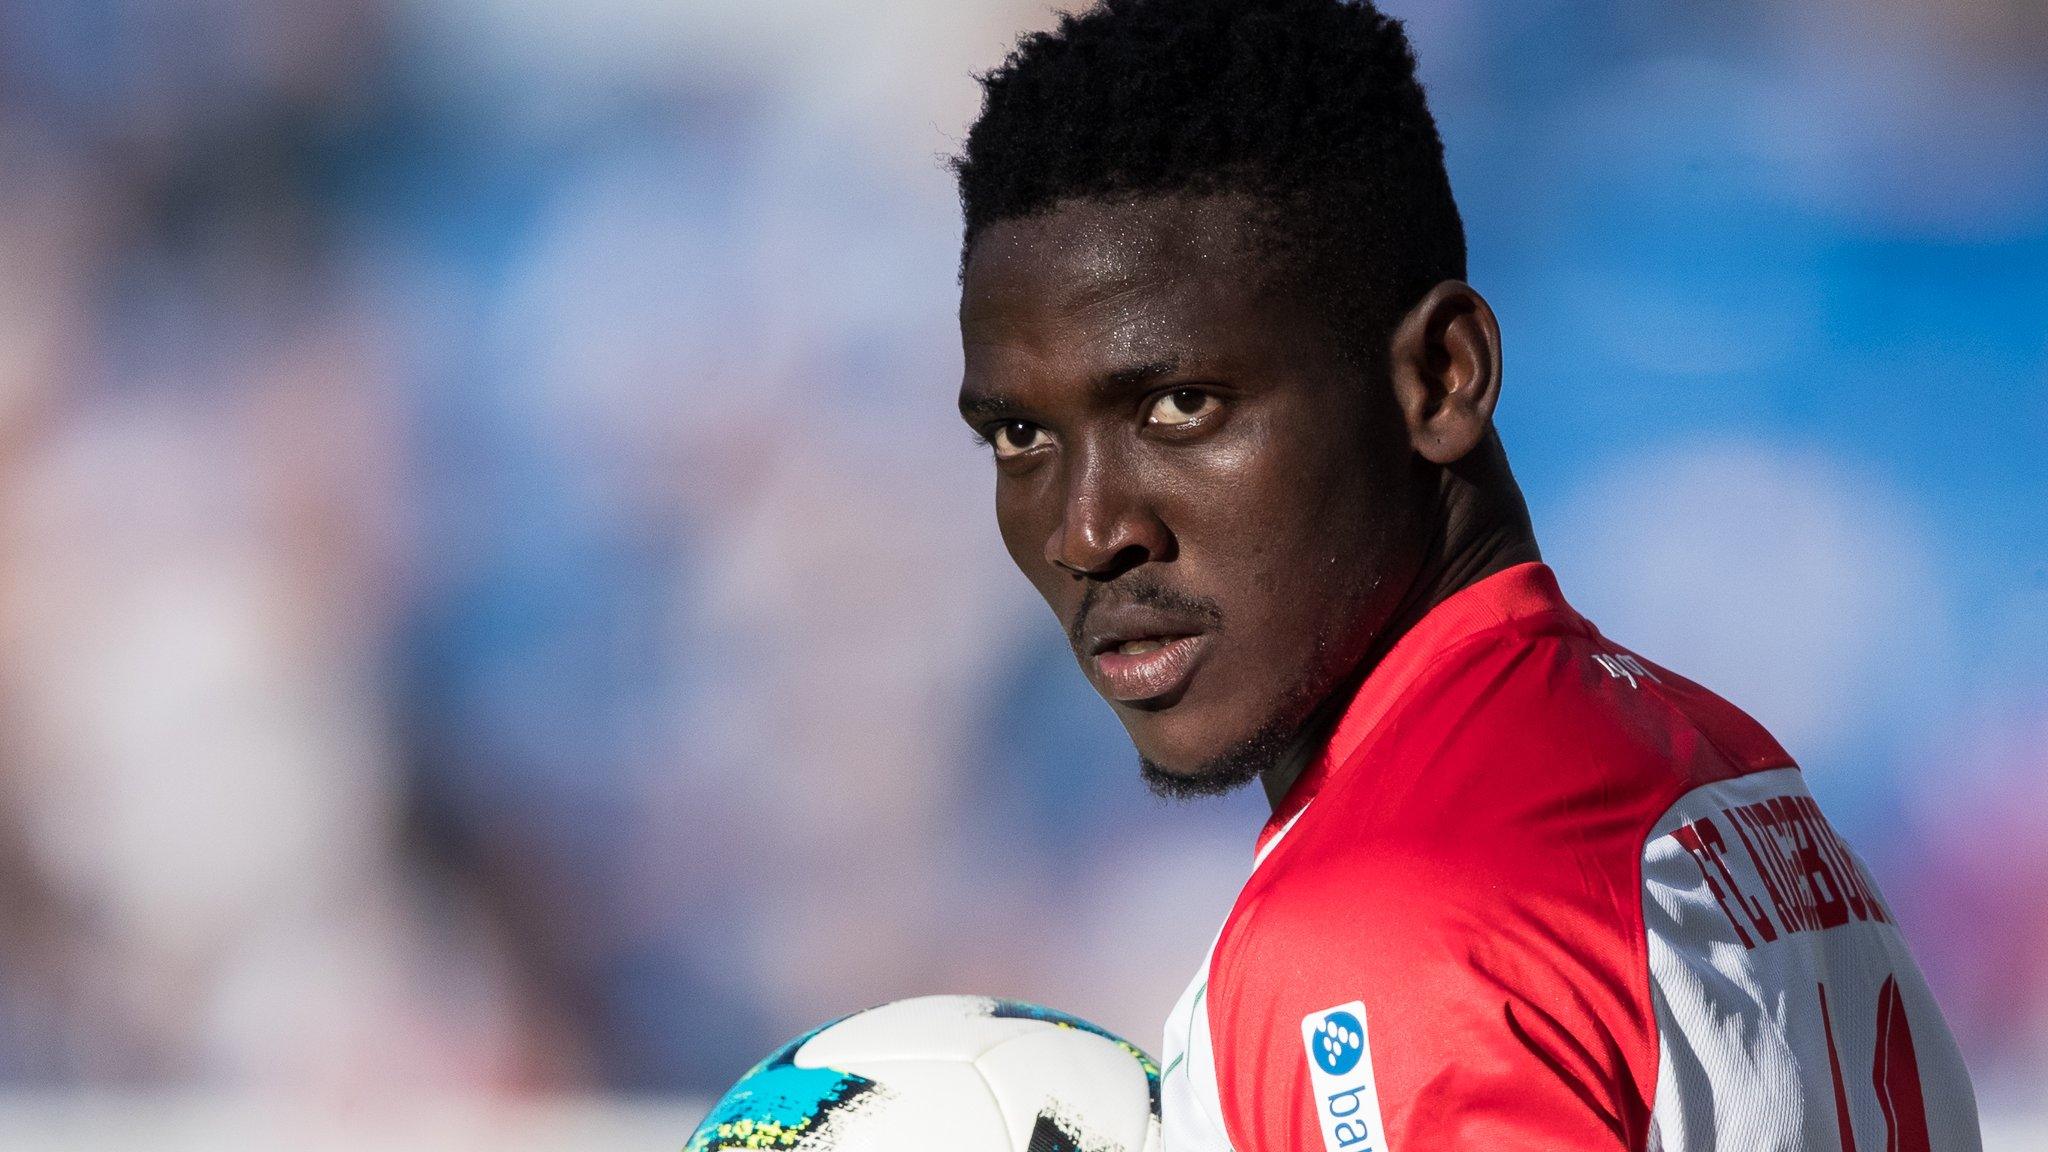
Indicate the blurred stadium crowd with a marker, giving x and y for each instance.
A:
(493, 598)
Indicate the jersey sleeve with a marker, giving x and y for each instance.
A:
(1402, 1008)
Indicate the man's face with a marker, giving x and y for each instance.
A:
(1220, 511)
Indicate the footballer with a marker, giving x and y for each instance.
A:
(1522, 888)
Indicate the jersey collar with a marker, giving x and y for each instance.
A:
(1511, 594)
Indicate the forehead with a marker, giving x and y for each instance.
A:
(1094, 283)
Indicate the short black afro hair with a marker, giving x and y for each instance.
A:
(1310, 108)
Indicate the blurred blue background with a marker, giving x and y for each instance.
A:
(495, 604)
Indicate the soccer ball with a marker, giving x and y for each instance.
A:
(944, 1074)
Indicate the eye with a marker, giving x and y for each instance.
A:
(1016, 437)
(1181, 406)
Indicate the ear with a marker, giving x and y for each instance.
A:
(1445, 361)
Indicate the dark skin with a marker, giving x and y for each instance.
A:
(1230, 519)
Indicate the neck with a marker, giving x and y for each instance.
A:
(1482, 527)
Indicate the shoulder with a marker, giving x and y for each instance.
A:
(1472, 879)
(1552, 692)
(1542, 733)
(1498, 818)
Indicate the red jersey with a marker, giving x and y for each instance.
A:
(1539, 893)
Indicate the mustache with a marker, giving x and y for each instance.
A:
(1148, 593)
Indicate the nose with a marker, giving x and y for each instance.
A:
(1107, 525)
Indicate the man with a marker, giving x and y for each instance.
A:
(1522, 888)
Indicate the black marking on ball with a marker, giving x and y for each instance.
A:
(1049, 1135)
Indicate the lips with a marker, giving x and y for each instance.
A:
(1142, 642)
(1146, 667)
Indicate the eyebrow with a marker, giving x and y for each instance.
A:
(976, 405)
(1136, 376)
(981, 405)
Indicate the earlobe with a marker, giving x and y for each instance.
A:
(1446, 364)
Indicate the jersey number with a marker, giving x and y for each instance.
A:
(1894, 1072)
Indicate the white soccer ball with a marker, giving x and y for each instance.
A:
(944, 1074)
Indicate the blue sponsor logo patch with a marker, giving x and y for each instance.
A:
(1338, 1041)
(1339, 1048)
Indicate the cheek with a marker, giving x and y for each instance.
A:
(1293, 527)
(1015, 516)
(1249, 504)
(1025, 527)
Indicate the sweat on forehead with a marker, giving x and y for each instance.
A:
(1101, 301)
(1084, 252)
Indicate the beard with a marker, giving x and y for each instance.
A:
(1305, 715)
(1239, 765)
(1303, 718)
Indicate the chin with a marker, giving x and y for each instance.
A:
(1226, 766)
(1216, 780)
(1182, 756)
